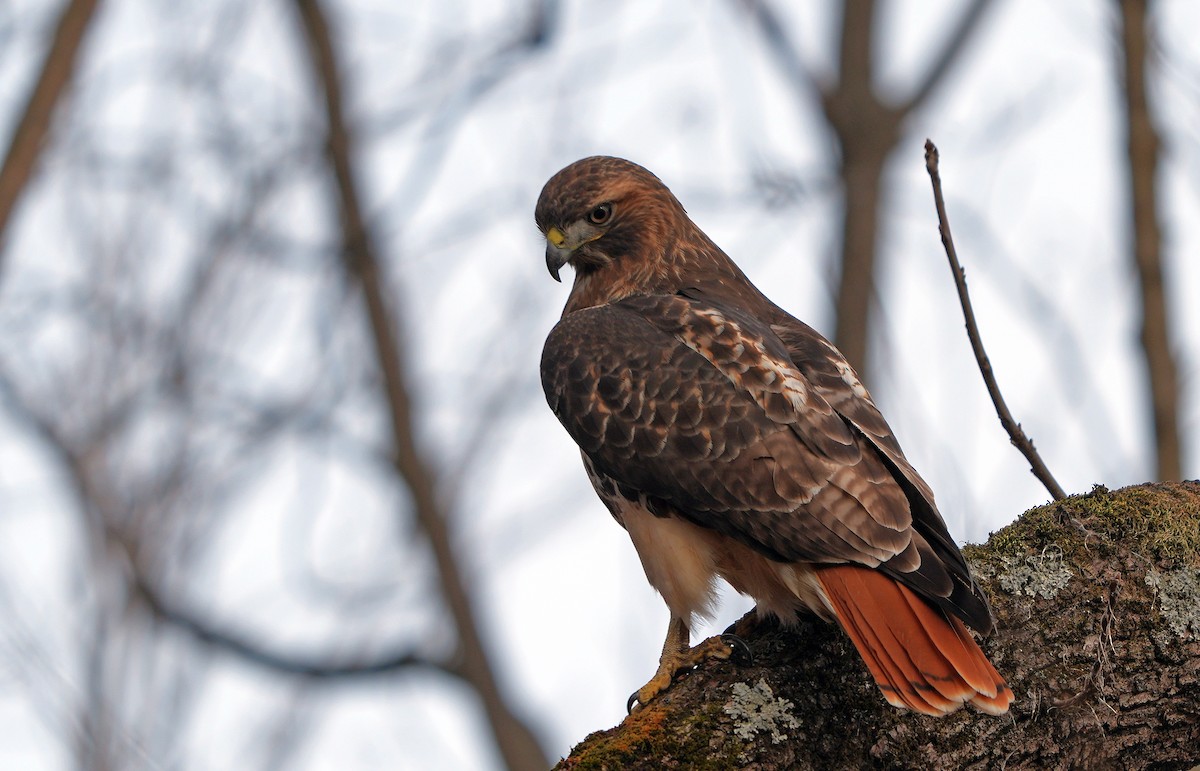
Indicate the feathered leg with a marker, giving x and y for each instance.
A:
(679, 656)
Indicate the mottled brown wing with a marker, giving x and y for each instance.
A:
(701, 409)
(833, 378)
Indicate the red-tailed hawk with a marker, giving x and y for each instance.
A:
(731, 440)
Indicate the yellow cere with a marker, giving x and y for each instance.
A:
(555, 236)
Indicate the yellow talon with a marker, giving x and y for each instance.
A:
(677, 658)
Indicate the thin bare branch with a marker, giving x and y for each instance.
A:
(29, 136)
(1015, 433)
(256, 653)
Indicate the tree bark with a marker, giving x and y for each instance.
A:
(1097, 603)
(1142, 147)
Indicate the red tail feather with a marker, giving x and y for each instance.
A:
(920, 657)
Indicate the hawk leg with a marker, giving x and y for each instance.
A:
(678, 655)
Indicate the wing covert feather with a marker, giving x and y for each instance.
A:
(689, 406)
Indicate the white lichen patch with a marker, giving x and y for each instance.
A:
(981, 570)
(1178, 595)
(756, 709)
(1036, 575)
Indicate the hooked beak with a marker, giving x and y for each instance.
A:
(557, 254)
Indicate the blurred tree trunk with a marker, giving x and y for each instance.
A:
(1097, 633)
(96, 732)
(30, 133)
(145, 512)
(1147, 241)
(867, 126)
(514, 740)
(867, 130)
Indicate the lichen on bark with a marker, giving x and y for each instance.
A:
(1178, 595)
(757, 709)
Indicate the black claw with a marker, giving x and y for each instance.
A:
(741, 651)
(629, 704)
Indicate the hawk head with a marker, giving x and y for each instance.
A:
(602, 211)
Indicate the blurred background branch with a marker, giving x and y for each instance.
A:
(34, 124)
(867, 125)
(515, 741)
(1143, 143)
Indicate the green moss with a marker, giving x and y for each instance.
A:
(1164, 523)
(1159, 522)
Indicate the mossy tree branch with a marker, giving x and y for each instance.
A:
(1096, 633)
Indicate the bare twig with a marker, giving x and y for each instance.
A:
(1015, 433)
(28, 137)
(1142, 148)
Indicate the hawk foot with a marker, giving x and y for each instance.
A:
(675, 663)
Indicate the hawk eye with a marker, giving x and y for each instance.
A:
(600, 214)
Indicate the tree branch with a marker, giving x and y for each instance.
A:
(867, 126)
(1147, 243)
(513, 738)
(257, 654)
(1015, 433)
(27, 139)
(1094, 600)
